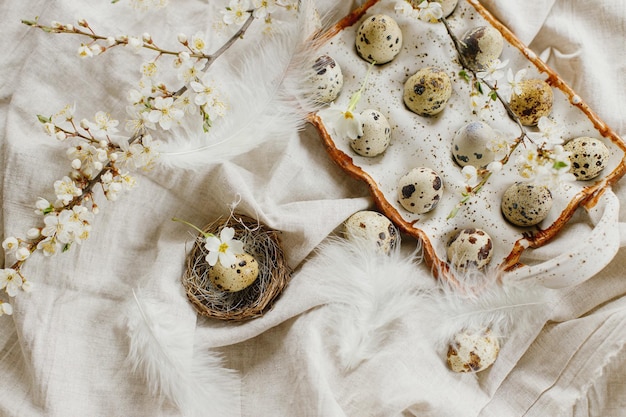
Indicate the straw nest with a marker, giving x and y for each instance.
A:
(260, 242)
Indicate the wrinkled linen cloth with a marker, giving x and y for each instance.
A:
(62, 351)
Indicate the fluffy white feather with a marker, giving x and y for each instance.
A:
(266, 93)
(481, 301)
(162, 352)
(370, 294)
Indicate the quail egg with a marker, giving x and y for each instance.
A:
(480, 46)
(326, 79)
(376, 134)
(471, 143)
(472, 351)
(526, 204)
(447, 6)
(374, 227)
(470, 248)
(420, 190)
(235, 277)
(427, 91)
(378, 39)
(588, 157)
(534, 102)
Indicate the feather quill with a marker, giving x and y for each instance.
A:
(370, 294)
(162, 352)
(267, 94)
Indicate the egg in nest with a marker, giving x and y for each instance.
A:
(427, 91)
(420, 190)
(378, 39)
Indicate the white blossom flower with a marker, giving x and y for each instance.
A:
(10, 244)
(493, 71)
(499, 146)
(43, 206)
(554, 170)
(550, 133)
(10, 281)
(111, 186)
(90, 159)
(430, 11)
(22, 254)
(470, 175)
(5, 308)
(528, 162)
(59, 225)
(149, 151)
(345, 123)
(49, 246)
(198, 43)
(134, 43)
(263, 7)
(66, 113)
(405, 8)
(27, 286)
(480, 105)
(208, 97)
(225, 248)
(149, 69)
(190, 70)
(165, 113)
(236, 12)
(494, 166)
(513, 83)
(50, 128)
(66, 190)
(103, 125)
(130, 156)
(84, 51)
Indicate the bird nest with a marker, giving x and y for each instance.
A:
(260, 242)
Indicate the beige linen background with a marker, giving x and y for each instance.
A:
(62, 352)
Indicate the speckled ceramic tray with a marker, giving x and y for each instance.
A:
(426, 141)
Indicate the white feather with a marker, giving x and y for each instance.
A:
(161, 351)
(478, 301)
(370, 294)
(266, 93)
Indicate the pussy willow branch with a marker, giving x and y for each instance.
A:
(87, 190)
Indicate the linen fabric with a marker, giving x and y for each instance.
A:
(62, 352)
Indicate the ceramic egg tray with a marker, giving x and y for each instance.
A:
(418, 141)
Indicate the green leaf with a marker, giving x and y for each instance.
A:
(66, 247)
(479, 87)
(493, 95)
(43, 119)
(463, 74)
(30, 22)
(47, 210)
(559, 165)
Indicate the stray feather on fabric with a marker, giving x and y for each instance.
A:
(161, 350)
(480, 301)
(268, 96)
(370, 294)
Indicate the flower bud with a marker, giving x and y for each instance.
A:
(60, 135)
(147, 38)
(84, 123)
(22, 254)
(76, 163)
(83, 23)
(182, 38)
(33, 233)
(111, 41)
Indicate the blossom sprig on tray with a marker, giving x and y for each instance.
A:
(543, 161)
(427, 11)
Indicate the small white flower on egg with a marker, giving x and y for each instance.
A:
(224, 248)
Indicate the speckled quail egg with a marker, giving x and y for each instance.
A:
(534, 102)
(326, 79)
(376, 134)
(480, 46)
(526, 204)
(235, 277)
(427, 91)
(472, 351)
(447, 6)
(471, 142)
(420, 190)
(588, 157)
(373, 227)
(378, 39)
(470, 248)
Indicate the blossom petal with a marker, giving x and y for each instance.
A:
(212, 243)
(227, 258)
(211, 258)
(227, 234)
